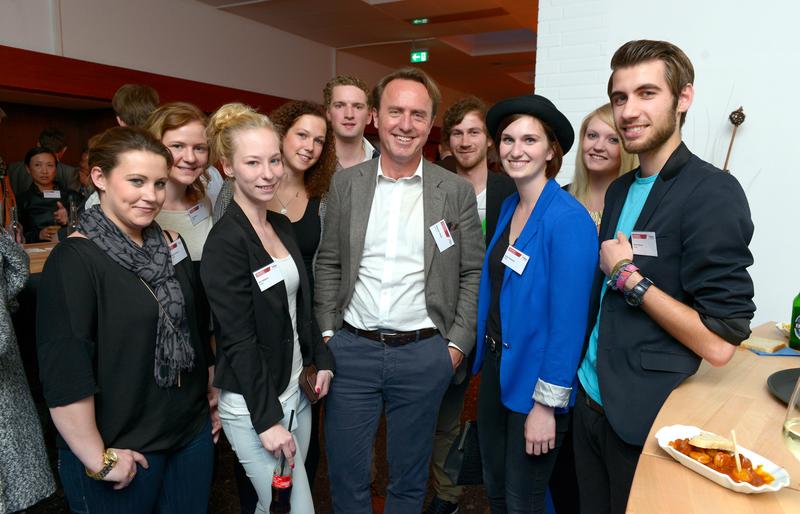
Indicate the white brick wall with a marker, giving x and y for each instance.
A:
(743, 54)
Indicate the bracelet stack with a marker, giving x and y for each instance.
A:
(621, 273)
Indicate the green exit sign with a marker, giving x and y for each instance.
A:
(419, 21)
(420, 55)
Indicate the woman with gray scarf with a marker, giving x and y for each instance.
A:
(122, 333)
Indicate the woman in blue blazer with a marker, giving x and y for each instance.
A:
(532, 307)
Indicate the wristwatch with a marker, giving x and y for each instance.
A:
(109, 461)
(635, 296)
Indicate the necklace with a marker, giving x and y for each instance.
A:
(285, 206)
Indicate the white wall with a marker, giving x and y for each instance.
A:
(371, 72)
(744, 54)
(177, 38)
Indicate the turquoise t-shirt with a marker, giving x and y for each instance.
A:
(634, 202)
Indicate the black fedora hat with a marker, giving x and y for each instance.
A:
(538, 107)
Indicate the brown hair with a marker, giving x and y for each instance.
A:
(173, 116)
(553, 165)
(317, 178)
(579, 188)
(414, 75)
(344, 80)
(456, 112)
(455, 115)
(111, 144)
(229, 119)
(678, 69)
(133, 103)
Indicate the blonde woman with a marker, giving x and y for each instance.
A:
(601, 159)
(260, 297)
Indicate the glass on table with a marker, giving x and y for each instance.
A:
(791, 425)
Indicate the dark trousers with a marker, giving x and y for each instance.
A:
(176, 482)
(448, 426)
(515, 482)
(605, 464)
(407, 382)
(564, 481)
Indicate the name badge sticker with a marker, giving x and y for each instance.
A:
(268, 276)
(177, 251)
(644, 243)
(442, 235)
(52, 194)
(197, 213)
(515, 259)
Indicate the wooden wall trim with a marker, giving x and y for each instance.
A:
(37, 72)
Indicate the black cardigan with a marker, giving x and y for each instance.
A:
(254, 331)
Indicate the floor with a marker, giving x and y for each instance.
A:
(224, 496)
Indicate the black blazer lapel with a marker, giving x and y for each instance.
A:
(663, 183)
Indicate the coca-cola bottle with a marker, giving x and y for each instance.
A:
(281, 488)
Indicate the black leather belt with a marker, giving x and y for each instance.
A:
(392, 338)
(592, 404)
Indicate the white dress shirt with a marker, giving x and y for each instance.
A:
(390, 289)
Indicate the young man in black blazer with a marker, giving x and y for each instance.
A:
(678, 293)
(464, 129)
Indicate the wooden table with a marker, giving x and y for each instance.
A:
(38, 253)
(718, 400)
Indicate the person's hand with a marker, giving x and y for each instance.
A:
(49, 234)
(613, 251)
(124, 471)
(277, 440)
(540, 430)
(456, 357)
(60, 215)
(323, 383)
(213, 402)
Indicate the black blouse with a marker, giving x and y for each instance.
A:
(96, 326)
(497, 270)
(307, 231)
(36, 211)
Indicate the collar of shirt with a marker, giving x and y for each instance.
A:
(417, 172)
(369, 150)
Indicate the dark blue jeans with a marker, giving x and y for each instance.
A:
(515, 482)
(177, 482)
(408, 382)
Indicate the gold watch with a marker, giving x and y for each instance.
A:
(109, 461)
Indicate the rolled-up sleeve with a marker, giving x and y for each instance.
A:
(573, 260)
(717, 230)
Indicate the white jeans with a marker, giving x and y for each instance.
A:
(259, 463)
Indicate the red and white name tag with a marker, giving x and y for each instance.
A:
(268, 276)
(515, 259)
(644, 243)
(52, 194)
(442, 235)
(197, 213)
(177, 251)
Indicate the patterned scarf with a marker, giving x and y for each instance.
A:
(152, 263)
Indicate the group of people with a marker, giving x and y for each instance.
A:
(181, 305)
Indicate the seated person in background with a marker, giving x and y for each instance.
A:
(55, 142)
(44, 207)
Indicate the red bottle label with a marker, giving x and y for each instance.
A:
(281, 482)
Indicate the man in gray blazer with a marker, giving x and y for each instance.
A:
(396, 291)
